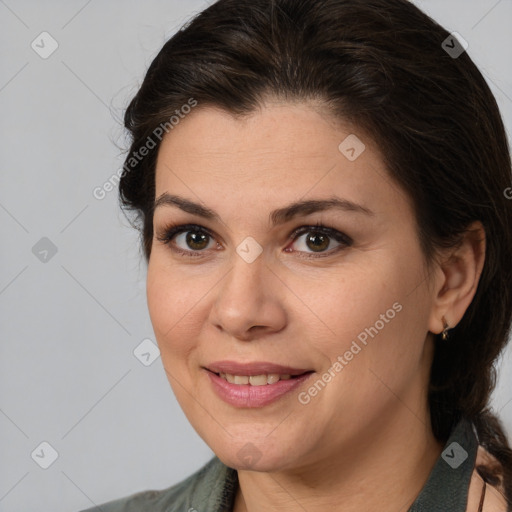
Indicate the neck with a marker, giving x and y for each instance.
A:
(384, 469)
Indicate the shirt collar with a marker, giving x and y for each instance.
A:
(448, 484)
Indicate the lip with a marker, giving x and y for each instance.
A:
(254, 368)
(248, 396)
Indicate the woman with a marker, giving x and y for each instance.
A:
(322, 187)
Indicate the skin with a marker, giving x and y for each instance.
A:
(364, 442)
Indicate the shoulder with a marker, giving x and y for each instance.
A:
(493, 495)
(176, 498)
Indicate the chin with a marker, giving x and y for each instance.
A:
(254, 456)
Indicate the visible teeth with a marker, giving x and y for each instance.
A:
(272, 377)
(258, 380)
(255, 380)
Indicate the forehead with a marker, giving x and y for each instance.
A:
(279, 139)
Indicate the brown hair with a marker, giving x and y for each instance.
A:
(381, 65)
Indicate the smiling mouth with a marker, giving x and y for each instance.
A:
(257, 380)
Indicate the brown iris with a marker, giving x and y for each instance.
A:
(318, 241)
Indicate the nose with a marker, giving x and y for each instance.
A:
(249, 301)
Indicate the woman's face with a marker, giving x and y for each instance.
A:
(348, 303)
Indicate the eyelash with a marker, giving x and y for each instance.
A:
(171, 230)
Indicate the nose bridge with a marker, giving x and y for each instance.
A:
(245, 298)
(248, 270)
(243, 285)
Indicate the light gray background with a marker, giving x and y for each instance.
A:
(68, 375)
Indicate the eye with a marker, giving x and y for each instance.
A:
(192, 240)
(318, 239)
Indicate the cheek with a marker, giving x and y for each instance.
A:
(375, 316)
(344, 303)
(175, 308)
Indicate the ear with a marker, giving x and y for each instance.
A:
(457, 279)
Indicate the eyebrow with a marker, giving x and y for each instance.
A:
(279, 216)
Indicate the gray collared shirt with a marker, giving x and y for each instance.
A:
(213, 487)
